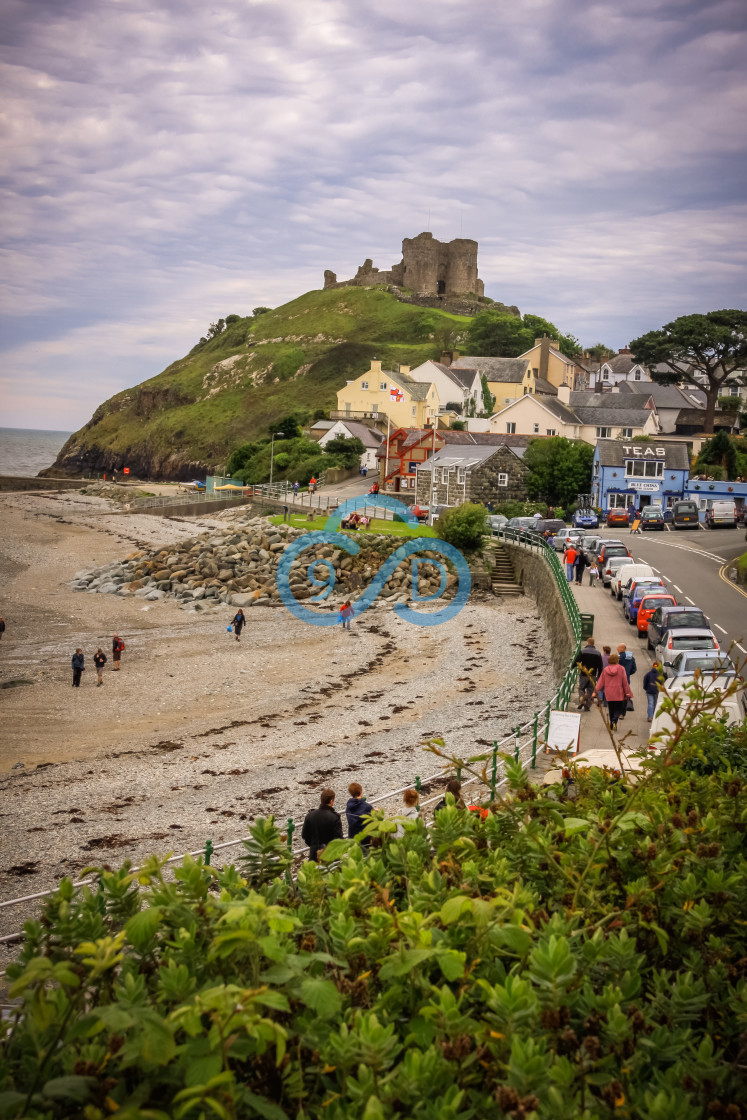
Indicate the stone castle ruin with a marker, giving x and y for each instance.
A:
(428, 268)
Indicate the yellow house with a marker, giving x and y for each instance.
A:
(507, 378)
(381, 394)
(581, 415)
(549, 364)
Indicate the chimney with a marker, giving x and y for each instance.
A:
(404, 369)
(564, 394)
(448, 357)
(375, 366)
(544, 344)
(623, 350)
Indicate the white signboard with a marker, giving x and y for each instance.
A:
(648, 487)
(564, 731)
(637, 451)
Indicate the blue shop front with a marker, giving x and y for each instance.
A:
(639, 474)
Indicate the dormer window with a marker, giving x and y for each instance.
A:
(605, 375)
(637, 375)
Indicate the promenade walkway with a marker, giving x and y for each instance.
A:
(611, 628)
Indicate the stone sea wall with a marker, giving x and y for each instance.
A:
(534, 575)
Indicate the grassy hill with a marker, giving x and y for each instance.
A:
(229, 389)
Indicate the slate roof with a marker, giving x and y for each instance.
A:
(665, 396)
(462, 457)
(465, 377)
(626, 417)
(623, 363)
(544, 388)
(323, 425)
(417, 390)
(495, 439)
(557, 408)
(367, 436)
(611, 453)
(510, 370)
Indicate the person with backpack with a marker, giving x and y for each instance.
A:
(79, 665)
(322, 825)
(99, 660)
(238, 623)
(117, 648)
(590, 665)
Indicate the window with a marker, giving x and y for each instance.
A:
(374, 406)
(550, 431)
(637, 375)
(510, 428)
(507, 400)
(617, 501)
(364, 384)
(536, 429)
(605, 375)
(461, 476)
(604, 433)
(382, 385)
(414, 410)
(503, 480)
(644, 468)
(626, 433)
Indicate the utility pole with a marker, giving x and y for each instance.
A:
(280, 435)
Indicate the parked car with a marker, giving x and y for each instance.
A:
(496, 521)
(721, 514)
(585, 519)
(652, 518)
(675, 618)
(568, 536)
(550, 525)
(646, 607)
(611, 571)
(709, 664)
(617, 518)
(589, 547)
(733, 709)
(613, 548)
(524, 524)
(685, 515)
(636, 571)
(632, 600)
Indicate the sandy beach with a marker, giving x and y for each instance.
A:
(198, 733)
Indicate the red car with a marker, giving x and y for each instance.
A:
(647, 607)
(617, 517)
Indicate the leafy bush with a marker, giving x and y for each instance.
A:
(463, 526)
(522, 509)
(347, 450)
(550, 958)
(559, 469)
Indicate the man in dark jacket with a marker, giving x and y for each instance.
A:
(627, 660)
(322, 824)
(356, 809)
(590, 664)
(79, 664)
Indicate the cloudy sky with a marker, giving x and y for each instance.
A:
(169, 163)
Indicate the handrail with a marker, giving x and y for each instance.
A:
(523, 740)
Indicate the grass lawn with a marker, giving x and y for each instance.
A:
(378, 525)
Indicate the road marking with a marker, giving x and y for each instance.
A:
(737, 644)
(653, 569)
(676, 588)
(692, 604)
(719, 627)
(727, 581)
(687, 548)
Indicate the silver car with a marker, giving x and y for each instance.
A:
(686, 638)
(567, 537)
(709, 663)
(610, 570)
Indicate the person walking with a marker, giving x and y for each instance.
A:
(238, 622)
(99, 660)
(79, 665)
(606, 651)
(569, 559)
(591, 667)
(454, 787)
(614, 681)
(117, 647)
(356, 809)
(296, 486)
(322, 825)
(651, 688)
(580, 565)
(346, 613)
(411, 799)
(2, 627)
(627, 660)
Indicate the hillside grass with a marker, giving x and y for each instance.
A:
(289, 360)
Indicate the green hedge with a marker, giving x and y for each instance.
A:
(567, 953)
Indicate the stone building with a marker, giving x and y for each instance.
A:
(428, 267)
(481, 473)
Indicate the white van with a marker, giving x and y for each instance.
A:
(734, 708)
(721, 512)
(630, 572)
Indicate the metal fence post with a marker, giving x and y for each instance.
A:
(291, 830)
(517, 734)
(534, 740)
(208, 852)
(494, 775)
(417, 783)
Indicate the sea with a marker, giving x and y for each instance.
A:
(26, 451)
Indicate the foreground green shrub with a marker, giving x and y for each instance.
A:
(559, 958)
(463, 526)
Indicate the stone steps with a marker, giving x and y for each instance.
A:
(502, 578)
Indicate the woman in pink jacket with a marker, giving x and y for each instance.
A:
(614, 681)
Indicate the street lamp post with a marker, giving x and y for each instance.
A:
(272, 450)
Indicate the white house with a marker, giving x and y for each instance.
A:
(623, 367)
(351, 429)
(580, 415)
(457, 386)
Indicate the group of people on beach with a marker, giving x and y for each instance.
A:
(99, 659)
(605, 678)
(324, 824)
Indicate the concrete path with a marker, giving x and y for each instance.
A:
(611, 628)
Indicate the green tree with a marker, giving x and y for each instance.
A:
(709, 347)
(459, 426)
(288, 427)
(719, 451)
(260, 310)
(348, 449)
(499, 334)
(560, 469)
(463, 526)
(487, 396)
(599, 352)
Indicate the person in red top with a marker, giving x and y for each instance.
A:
(569, 559)
(617, 692)
(117, 647)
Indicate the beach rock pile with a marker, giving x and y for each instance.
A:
(238, 565)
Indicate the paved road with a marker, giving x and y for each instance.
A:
(691, 566)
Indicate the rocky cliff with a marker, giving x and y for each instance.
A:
(185, 421)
